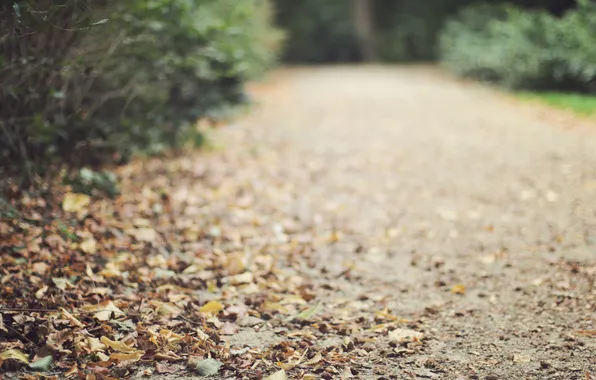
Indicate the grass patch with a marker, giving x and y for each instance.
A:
(580, 104)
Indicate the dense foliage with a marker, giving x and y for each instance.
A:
(406, 30)
(318, 31)
(90, 81)
(524, 49)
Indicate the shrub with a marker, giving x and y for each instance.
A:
(90, 82)
(522, 48)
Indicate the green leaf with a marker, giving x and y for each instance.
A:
(42, 364)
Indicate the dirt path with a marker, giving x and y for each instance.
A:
(425, 184)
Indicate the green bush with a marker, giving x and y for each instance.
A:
(88, 82)
(522, 48)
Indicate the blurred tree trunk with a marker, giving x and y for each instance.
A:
(363, 13)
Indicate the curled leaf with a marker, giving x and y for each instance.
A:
(117, 346)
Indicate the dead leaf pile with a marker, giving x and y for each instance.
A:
(189, 257)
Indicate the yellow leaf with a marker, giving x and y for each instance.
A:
(117, 346)
(75, 202)
(458, 289)
(14, 354)
(212, 307)
(132, 356)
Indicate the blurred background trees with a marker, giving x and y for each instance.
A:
(402, 30)
(90, 82)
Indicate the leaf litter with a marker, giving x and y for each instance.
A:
(179, 267)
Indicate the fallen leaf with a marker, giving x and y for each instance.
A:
(75, 202)
(279, 375)
(104, 311)
(238, 310)
(41, 292)
(89, 246)
(71, 318)
(243, 278)
(211, 307)
(62, 283)
(15, 355)
(206, 367)
(118, 346)
(148, 235)
(166, 309)
(458, 289)
(229, 329)
(274, 306)
(405, 335)
(131, 356)
(40, 268)
(42, 364)
(519, 358)
(165, 368)
(310, 312)
(590, 333)
(317, 358)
